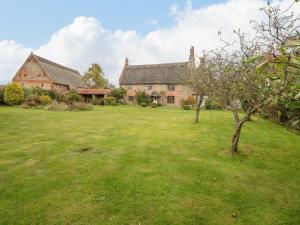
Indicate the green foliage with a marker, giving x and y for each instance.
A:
(2, 91)
(153, 105)
(45, 99)
(13, 94)
(213, 104)
(118, 93)
(72, 97)
(56, 106)
(95, 101)
(110, 101)
(187, 107)
(32, 100)
(80, 106)
(94, 77)
(51, 93)
(27, 92)
(144, 104)
(141, 97)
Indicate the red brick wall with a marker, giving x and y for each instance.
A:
(31, 75)
(181, 91)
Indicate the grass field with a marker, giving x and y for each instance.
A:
(134, 165)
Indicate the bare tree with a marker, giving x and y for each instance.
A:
(201, 83)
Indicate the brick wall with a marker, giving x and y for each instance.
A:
(31, 75)
(180, 92)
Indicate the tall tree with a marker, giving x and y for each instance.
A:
(95, 77)
(201, 83)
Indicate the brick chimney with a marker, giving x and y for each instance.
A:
(126, 62)
(192, 57)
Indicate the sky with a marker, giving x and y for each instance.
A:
(77, 33)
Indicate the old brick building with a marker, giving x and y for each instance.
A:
(164, 83)
(39, 72)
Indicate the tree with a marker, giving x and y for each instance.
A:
(13, 94)
(200, 81)
(118, 93)
(2, 91)
(94, 77)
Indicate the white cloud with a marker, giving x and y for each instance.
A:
(85, 41)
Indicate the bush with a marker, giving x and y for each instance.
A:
(32, 101)
(55, 106)
(190, 101)
(213, 104)
(2, 91)
(95, 101)
(13, 94)
(80, 106)
(186, 107)
(27, 92)
(141, 97)
(118, 93)
(154, 105)
(71, 97)
(144, 104)
(45, 99)
(110, 101)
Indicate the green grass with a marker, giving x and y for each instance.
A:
(134, 165)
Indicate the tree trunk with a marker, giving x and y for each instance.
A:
(198, 106)
(235, 139)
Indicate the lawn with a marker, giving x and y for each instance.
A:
(144, 166)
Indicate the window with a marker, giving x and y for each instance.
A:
(130, 98)
(170, 99)
(171, 87)
(129, 87)
(25, 75)
(148, 87)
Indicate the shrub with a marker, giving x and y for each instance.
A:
(110, 101)
(141, 97)
(153, 105)
(72, 96)
(45, 99)
(118, 93)
(95, 101)
(190, 101)
(32, 101)
(80, 106)
(213, 104)
(186, 107)
(2, 90)
(13, 94)
(27, 92)
(144, 104)
(55, 106)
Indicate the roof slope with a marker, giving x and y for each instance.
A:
(169, 73)
(61, 74)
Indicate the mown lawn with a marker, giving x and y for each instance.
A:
(133, 165)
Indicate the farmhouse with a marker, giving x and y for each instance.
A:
(164, 83)
(39, 72)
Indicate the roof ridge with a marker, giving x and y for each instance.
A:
(56, 64)
(158, 64)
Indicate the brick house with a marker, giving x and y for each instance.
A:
(39, 72)
(164, 83)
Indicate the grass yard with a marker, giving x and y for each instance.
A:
(144, 166)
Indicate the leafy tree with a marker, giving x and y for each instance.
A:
(141, 97)
(71, 97)
(2, 91)
(118, 93)
(94, 77)
(13, 94)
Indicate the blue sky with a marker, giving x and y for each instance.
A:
(32, 22)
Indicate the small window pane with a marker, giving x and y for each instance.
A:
(171, 99)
